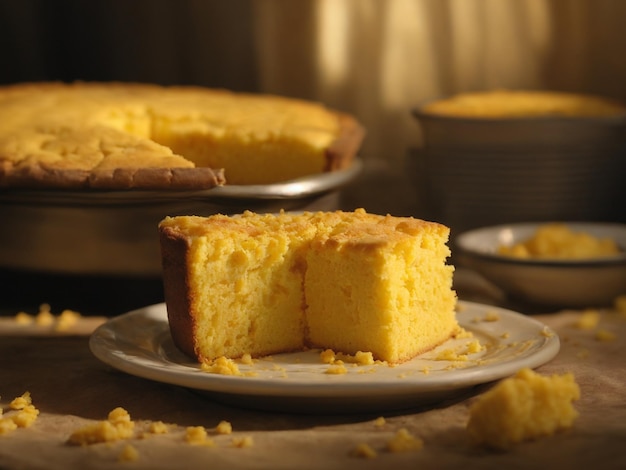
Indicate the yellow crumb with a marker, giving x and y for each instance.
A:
(6, 426)
(587, 320)
(102, 431)
(491, 316)
(23, 414)
(224, 427)
(128, 454)
(246, 359)
(26, 416)
(327, 356)
(222, 365)
(66, 320)
(462, 333)
(450, 354)
(119, 416)
(44, 317)
(364, 358)
(505, 335)
(117, 426)
(404, 441)
(474, 347)
(158, 427)
(21, 402)
(243, 442)
(547, 332)
(605, 336)
(337, 369)
(24, 318)
(361, 358)
(364, 451)
(380, 421)
(197, 435)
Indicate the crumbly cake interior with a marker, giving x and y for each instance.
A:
(246, 279)
(264, 284)
(390, 277)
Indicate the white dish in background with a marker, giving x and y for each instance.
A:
(580, 283)
(139, 343)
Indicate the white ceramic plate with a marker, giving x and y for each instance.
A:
(139, 343)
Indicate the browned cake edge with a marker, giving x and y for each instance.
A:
(174, 249)
(343, 150)
(42, 177)
(158, 178)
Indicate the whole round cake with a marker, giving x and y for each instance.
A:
(262, 284)
(123, 135)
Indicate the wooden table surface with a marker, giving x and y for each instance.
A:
(72, 388)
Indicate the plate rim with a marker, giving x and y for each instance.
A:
(152, 368)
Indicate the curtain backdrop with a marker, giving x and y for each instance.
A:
(377, 59)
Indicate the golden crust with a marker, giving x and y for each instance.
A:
(174, 249)
(42, 177)
(339, 155)
(129, 135)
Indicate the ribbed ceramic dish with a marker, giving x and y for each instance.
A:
(475, 172)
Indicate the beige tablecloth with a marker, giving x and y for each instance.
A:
(72, 388)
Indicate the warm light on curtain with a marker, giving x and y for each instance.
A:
(378, 59)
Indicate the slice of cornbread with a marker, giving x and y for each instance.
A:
(350, 281)
(123, 135)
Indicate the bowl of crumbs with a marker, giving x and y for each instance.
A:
(558, 264)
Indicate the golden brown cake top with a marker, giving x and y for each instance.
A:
(83, 134)
(337, 227)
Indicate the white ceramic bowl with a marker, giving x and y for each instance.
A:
(587, 283)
